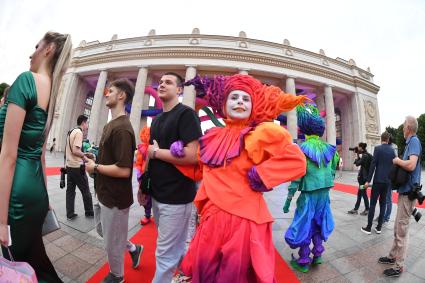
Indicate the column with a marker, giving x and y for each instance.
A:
(320, 102)
(137, 103)
(330, 116)
(96, 109)
(145, 104)
(291, 116)
(243, 71)
(189, 94)
(65, 104)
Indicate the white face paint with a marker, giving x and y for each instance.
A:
(238, 105)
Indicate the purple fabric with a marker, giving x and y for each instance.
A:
(148, 207)
(255, 181)
(219, 146)
(304, 254)
(177, 149)
(318, 248)
(139, 175)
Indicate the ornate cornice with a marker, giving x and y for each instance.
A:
(247, 56)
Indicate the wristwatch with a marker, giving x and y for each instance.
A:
(154, 152)
(95, 168)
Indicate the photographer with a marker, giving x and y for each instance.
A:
(76, 174)
(406, 199)
(382, 161)
(364, 163)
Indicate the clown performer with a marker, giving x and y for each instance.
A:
(313, 221)
(140, 164)
(249, 156)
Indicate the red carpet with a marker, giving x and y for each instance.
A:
(353, 190)
(144, 274)
(51, 171)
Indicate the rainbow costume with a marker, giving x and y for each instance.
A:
(239, 162)
(313, 221)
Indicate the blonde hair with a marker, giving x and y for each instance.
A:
(60, 61)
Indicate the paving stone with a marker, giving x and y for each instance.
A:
(89, 253)
(54, 252)
(71, 266)
(346, 264)
(364, 275)
(55, 235)
(68, 243)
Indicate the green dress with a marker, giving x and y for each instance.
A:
(29, 201)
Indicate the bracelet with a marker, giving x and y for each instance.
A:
(95, 170)
(154, 152)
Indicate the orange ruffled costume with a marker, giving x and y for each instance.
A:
(233, 242)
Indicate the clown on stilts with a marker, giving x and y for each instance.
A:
(239, 162)
(313, 221)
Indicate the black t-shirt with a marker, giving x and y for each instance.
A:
(169, 185)
(117, 147)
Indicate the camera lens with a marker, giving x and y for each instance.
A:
(420, 197)
(416, 214)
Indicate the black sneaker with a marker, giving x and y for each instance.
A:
(353, 211)
(72, 216)
(392, 272)
(366, 230)
(377, 230)
(386, 260)
(135, 256)
(364, 212)
(111, 278)
(89, 214)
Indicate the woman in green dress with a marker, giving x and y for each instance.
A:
(25, 121)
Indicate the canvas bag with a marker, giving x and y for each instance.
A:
(12, 271)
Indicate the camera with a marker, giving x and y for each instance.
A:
(416, 193)
(355, 149)
(62, 180)
(416, 214)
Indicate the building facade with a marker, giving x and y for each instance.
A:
(340, 88)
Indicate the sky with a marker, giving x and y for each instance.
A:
(387, 36)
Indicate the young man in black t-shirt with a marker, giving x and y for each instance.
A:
(172, 192)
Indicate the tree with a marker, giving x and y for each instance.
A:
(393, 132)
(421, 134)
(399, 140)
(398, 136)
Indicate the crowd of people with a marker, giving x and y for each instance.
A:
(224, 172)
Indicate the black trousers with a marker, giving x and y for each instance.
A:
(28, 246)
(360, 194)
(77, 177)
(378, 191)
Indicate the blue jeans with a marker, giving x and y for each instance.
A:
(389, 204)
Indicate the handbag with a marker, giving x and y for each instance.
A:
(51, 223)
(13, 271)
(399, 176)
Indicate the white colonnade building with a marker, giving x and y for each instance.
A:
(346, 92)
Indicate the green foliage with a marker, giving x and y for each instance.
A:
(399, 140)
(421, 134)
